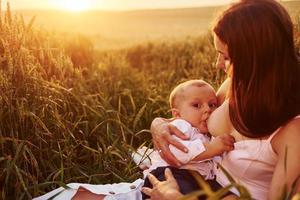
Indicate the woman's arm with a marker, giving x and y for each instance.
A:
(161, 131)
(287, 139)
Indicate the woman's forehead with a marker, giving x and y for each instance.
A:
(220, 46)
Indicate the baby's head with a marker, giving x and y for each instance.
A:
(194, 101)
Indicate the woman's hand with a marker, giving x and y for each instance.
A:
(163, 190)
(162, 132)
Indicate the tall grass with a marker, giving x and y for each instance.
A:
(70, 113)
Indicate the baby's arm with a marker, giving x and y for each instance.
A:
(198, 149)
(195, 147)
(216, 147)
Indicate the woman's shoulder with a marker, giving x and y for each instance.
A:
(290, 129)
(287, 135)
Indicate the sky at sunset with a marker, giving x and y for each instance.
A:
(111, 4)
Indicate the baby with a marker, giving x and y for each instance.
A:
(191, 103)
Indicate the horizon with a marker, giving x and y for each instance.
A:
(112, 5)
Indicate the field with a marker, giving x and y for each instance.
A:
(73, 110)
(119, 29)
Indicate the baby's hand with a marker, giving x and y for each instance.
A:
(221, 144)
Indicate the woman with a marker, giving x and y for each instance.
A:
(260, 103)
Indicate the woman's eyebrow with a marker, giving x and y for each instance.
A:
(221, 52)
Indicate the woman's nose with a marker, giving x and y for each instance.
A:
(220, 63)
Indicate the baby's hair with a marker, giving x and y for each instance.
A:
(179, 89)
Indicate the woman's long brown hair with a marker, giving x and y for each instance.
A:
(265, 90)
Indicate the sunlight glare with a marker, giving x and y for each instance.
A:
(74, 5)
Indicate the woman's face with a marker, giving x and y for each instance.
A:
(223, 60)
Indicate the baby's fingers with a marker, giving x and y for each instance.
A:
(228, 146)
(228, 138)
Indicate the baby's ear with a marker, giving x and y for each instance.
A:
(175, 112)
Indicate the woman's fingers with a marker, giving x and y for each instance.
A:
(147, 191)
(153, 180)
(155, 144)
(168, 174)
(178, 133)
(167, 189)
(171, 159)
(168, 156)
(163, 146)
(158, 128)
(177, 144)
(162, 138)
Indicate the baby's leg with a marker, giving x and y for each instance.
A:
(83, 193)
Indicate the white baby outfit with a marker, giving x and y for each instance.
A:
(195, 146)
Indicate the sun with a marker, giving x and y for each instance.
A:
(74, 5)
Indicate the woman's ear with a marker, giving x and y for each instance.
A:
(175, 112)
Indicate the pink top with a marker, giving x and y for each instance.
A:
(249, 160)
(252, 164)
